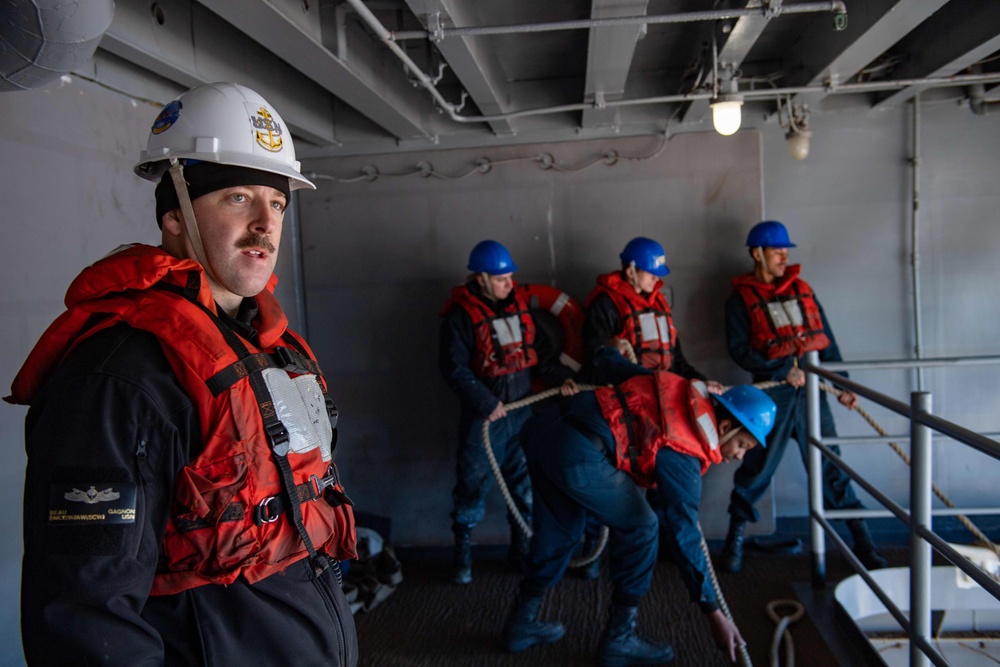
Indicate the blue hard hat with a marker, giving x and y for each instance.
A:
(752, 408)
(647, 255)
(769, 234)
(492, 258)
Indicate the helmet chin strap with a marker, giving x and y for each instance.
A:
(633, 276)
(187, 212)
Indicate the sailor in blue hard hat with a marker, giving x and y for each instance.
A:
(627, 309)
(772, 318)
(489, 349)
(587, 459)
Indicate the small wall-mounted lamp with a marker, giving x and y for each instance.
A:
(796, 122)
(798, 143)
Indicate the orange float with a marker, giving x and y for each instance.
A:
(542, 300)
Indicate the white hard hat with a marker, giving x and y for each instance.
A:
(225, 123)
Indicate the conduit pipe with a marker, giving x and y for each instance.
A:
(915, 254)
(386, 36)
(768, 10)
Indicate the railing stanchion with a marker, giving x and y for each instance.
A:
(814, 466)
(920, 516)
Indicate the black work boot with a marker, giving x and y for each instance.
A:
(523, 629)
(864, 546)
(621, 646)
(732, 551)
(461, 566)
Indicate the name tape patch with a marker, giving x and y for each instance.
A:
(97, 503)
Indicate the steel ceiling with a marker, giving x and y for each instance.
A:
(384, 76)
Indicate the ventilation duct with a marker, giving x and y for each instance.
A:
(40, 40)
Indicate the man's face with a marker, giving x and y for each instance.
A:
(241, 232)
(500, 285)
(775, 261)
(645, 281)
(737, 446)
(641, 281)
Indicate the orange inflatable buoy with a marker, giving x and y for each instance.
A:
(565, 309)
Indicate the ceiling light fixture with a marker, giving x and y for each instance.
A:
(727, 112)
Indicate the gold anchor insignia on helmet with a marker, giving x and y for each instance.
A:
(267, 131)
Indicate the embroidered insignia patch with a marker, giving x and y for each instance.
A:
(167, 117)
(97, 503)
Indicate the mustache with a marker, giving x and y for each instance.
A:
(256, 241)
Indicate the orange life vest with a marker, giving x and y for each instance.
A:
(784, 316)
(646, 321)
(649, 412)
(228, 517)
(504, 341)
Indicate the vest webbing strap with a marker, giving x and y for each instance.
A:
(488, 317)
(278, 439)
(762, 304)
(271, 508)
(634, 314)
(284, 358)
(628, 418)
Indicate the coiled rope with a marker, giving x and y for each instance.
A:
(781, 633)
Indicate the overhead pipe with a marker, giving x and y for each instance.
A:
(767, 10)
(383, 34)
(979, 103)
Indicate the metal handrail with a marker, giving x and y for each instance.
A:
(982, 443)
(910, 363)
(923, 539)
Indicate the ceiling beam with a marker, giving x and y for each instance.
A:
(365, 76)
(744, 34)
(192, 46)
(826, 55)
(973, 34)
(609, 57)
(475, 65)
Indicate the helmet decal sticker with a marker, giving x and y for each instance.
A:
(267, 131)
(167, 117)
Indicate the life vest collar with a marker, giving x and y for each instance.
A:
(779, 286)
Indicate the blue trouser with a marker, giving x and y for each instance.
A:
(759, 464)
(473, 472)
(574, 476)
(678, 495)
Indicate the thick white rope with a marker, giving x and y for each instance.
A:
(586, 559)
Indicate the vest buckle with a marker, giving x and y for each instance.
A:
(263, 512)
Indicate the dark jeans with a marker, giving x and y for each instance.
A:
(759, 464)
(678, 495)
(473, 472)
(572, 477)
